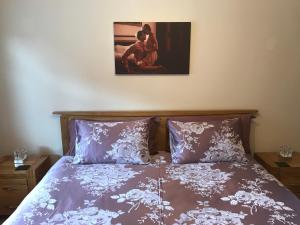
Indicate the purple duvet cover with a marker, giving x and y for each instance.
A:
(158, 193)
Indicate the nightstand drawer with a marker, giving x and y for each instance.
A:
(290, 176)
(11, 189)
(7, 209)
(11, 196)
(13, 181)
(12, 199)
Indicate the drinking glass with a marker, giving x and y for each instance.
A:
(286, 151)
(19, 156)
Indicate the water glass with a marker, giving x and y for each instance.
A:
(286, 151)
(19, 156)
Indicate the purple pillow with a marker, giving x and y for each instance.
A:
(112, 142)
(154, 124)
(245, 122)
(207, 141)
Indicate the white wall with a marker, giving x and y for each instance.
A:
(58, 55)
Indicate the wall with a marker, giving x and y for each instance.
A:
(58, 55)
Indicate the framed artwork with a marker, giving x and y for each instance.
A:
(152, 48)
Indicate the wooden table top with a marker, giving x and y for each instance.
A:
(271, 157)
(7, 163)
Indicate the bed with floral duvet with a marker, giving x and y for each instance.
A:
(158, 193)
(111, 179)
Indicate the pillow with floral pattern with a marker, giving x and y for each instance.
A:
(245, 121)
(112, 142)
(211, 141)
(152, 143)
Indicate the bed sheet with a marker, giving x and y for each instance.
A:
(158, 193)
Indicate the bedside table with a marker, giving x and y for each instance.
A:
(16, 184)
(288, 173)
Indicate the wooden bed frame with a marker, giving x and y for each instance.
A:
(162, 137)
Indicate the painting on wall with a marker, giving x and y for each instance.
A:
(152, 48)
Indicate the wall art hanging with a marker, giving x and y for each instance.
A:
(152, 48)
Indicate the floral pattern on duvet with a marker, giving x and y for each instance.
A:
(89, 215)
(200, 178)
(251, 198)
(255, 197)
(158, 193)
(210, 216)
(97, 179)
(149, 195)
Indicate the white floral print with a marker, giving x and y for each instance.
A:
(283, 218)
(125, 144)
(132, 146)
(97, 179)
(216, 141)
(43, 199)
(239, 165)
(90, 215)
(187, 131)
(254, 201)
(210, 216)
(148, 194)
(254, 196)
(218, 193)
(226, 146)
(99, 129)
(200, 178)
(263, 174)
(158, 160)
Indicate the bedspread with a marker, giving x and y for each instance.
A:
(158, 193)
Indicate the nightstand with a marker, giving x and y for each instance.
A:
(287, 171)
(16, 184)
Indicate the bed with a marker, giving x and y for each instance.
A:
(159, 192)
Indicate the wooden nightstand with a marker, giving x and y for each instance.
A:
(289, 176)
(16, 184)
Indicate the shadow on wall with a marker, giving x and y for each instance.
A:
(47, 151)
(31, 86)
(26, 123)
(7, 111)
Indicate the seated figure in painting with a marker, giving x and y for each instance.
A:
(151, 47)
(137, 49)
(144, 54)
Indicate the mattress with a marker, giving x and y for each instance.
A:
(158, 193)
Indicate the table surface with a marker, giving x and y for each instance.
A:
(7, 163)
(271, 157)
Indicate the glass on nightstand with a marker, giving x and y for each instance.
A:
(286, 151)
(19, 157)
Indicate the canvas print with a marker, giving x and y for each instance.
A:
(152, 48)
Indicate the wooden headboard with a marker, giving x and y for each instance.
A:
(162, 137)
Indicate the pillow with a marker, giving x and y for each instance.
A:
(245, 121)
(212, 141)
(154, 124)
(112, 142)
